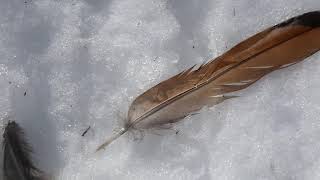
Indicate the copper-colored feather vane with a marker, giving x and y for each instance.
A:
(274, 48)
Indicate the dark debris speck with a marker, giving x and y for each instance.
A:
(85, 132)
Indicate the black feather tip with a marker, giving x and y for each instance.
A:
(17, 161)
(311, 19)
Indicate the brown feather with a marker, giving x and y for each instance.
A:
(274, 48)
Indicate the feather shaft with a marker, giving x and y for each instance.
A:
(111, 139)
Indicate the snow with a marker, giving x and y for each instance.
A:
(82, 62)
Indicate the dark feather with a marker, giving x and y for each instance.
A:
(17, 161)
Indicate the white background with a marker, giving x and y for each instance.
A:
(82, 62)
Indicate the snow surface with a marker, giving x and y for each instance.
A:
(81, 62)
